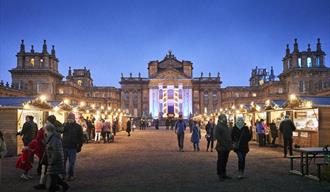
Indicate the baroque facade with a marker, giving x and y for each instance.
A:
(170, 88)
(37, 73)
(304, 74)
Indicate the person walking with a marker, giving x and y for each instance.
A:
(240, 137)
(273, 132)
(167, 124)
(261, 133)
(90, 128)
(34, 127)
(72, 143)
(26, 132)
(286, 128)
(114, 127)
(209, 134)
(83, 124)
(55, 159)
(180, 127)
(106, 131)
(128, 127)
(195, 135)
(42, 141)
(223, 146)
(156, 124)
(3, 152)
(98, 130)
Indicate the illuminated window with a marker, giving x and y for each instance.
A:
(318, 61)
(61, 91)
(309, 62)
(254, 94)
(32, 62)
(299, 62)
(41, 60)
(79, 82)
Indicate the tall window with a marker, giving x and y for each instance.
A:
(299, 62)
(32, 61)
(288, 63)
(309, 62)
(318, 61)
(301, 86)
(206, 98)
(320, 85)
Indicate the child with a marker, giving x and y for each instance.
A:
(24, 162)
(195, 136)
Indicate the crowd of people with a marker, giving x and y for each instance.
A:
(56, 146)
(234, 136)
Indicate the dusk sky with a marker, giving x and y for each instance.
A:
(114, 37)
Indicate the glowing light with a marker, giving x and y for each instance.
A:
(87, 111)
(82, 104)
(75, 110)
(268, 102)
(43, 98)
(26, 106)
(241, 106)
(66, 101)
(237, 111)
(93, 106)
(56, 108)
(309, 104)
(233, 107)
(109, 108)
(221, 109)
(102, 107)
(258, 108)
(293, 97)
(98, 112)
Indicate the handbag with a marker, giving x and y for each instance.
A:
(236, 143)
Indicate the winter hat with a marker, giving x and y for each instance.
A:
(51, 119)
(71, 116)
(240, 122)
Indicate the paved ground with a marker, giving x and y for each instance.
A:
(149, 161)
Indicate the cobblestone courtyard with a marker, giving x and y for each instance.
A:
(149, 161)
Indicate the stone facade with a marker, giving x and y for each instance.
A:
(304, 74)
(37, 73)
(170, 88)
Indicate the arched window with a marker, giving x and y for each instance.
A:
(309, 62)
(299, 62)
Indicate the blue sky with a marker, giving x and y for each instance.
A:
(114, 37)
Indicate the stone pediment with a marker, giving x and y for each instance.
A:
(170, 61)
(170, 73)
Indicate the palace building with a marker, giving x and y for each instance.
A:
(170, 88)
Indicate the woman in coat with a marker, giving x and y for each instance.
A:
(195, 135)
(55, 159)
(241, 136)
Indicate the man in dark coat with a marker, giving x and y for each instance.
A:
(34, 127)
(273, 131)
(55, 159)
(223, 147)
(210, 134)
(286, 128)
(241, 136)
(72, 143)
(128, 127)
